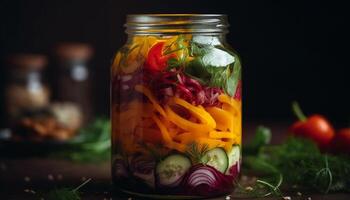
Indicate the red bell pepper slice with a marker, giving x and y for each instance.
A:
(156, 61)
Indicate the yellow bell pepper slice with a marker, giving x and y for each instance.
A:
(224, 119)
(237, 105)
(198, 112)
(186, 124)
(211, 143)
(221, 135)
(189, 137)
(148, 93)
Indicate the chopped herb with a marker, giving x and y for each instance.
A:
(65, 193)
(196, 152)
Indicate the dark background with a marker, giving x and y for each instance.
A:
(291, 50)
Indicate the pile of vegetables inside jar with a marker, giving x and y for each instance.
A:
(176, 115)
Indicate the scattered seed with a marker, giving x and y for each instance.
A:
(309, 198)
(286, 198)
(26, 178)
(299, 194)
(29, 191)
(50, 177)
(228, 197)
(249, 188)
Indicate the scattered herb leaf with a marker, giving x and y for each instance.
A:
(65, 193)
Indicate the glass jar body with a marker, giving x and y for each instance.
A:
(176, 115)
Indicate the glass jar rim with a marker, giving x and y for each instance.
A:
(176, 23)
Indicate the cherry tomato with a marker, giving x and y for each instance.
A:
(156, 61)
(315, 127)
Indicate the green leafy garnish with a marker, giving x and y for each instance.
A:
(215, 57)
(206, 40)
(299, 161)
(234, 78)
(214, 67)
(91, 144)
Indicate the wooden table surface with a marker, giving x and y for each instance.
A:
(24, 178)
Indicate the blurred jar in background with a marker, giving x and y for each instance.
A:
(72, 77)
(25, 91)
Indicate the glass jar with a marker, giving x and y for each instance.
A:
(25, 91)
(72, 78)
(176, 107)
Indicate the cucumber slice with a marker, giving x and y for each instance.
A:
(216, 158)
(171, 170)
(234, 157)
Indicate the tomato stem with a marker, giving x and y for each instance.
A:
(298, 112)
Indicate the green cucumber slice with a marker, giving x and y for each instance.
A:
(216, 158)
(233, 157)
(170, 170)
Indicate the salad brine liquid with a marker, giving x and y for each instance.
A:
(176, 107)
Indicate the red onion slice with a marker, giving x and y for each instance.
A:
(206, 180)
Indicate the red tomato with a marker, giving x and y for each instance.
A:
(315, 127)
(156, 61)
(341, 141)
